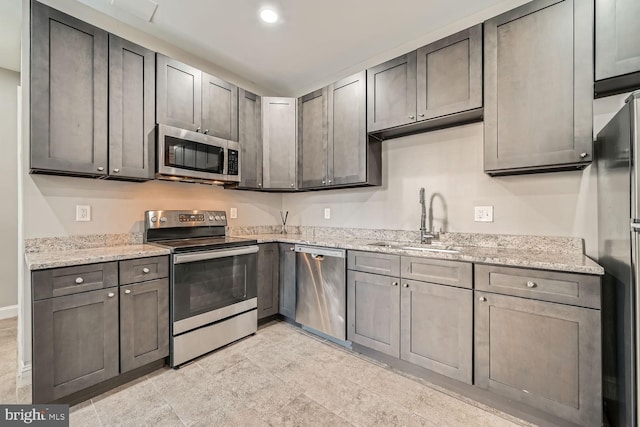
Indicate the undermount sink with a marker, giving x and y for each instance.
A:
(409, 247)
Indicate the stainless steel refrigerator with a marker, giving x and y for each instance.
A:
(617, 153)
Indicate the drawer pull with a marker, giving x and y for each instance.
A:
(111, 295)
(79, 280)
(482, 299)
(406, 285)
(145, 270)
(531, 284)
(394, 284)
(128, 291)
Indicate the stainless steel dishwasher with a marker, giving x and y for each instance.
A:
(321, 290)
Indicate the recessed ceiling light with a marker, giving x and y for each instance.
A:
(269, 16)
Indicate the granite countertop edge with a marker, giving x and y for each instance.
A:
(68, 258)
(569, 263)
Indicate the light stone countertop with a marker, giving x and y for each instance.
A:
(572, 262)
(66, 258)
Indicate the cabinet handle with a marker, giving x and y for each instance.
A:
(116, 170)
(394, 284)
(111, 295)
(531, 284)
(412, 117)
(406, 285)
(145, 270)
(259, 185)
(79, 280)
(482, 299)
(128, 291)
(421, 114)
(292, 185)
(323, 182)
(198, 130)
(292, 249)
(206, 131)
(100, 168)
(329, 181)
(584, 155)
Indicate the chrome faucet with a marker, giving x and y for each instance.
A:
(426, 236)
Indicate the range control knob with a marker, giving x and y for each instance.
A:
(163, 219)
(222, 217)
(211, 218)
(217, 217)
(154, 219)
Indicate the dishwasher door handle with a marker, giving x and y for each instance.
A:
(317, 257)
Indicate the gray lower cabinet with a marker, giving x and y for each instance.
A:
(543, 354)
(69, 58)
(144, 323)
(373, 311)
(617, 49)
(219, 108)
(436, 328)
(279, 143)
(287, 280)
(75, 343)
(538, 89)
(178, 94)
(132, 106)
(268, 279)
(250, 138)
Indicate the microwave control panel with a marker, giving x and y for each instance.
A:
(232, 162)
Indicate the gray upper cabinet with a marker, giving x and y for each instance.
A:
(219, 108)
(144, 323)
(250, 138)
(268, 279)
(75, 343)
(391, 93)
(538, 88)
(287, 280)
(178, 94)
(617, 47)
(312, 139)
(69, 58)
(131, 110)
(449, 74)
(279, 143)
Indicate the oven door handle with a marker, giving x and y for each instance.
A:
(223, 253)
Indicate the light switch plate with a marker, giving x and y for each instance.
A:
(327, 213)
(483, 214)
(233, 213)
(83, 213)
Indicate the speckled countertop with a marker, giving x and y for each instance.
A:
(66, 258)
(567, 261)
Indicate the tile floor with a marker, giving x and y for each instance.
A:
(282, 376)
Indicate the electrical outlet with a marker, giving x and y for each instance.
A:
(83, 213)
(233, 213)
(483, 214)
(327, 213)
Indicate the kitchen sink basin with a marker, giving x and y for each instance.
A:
(410, 247)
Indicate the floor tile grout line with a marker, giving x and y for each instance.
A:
(156, 390)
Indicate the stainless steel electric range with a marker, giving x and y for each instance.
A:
(213, 280)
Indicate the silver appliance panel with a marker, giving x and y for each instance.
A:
(194, 322)
(173, 218)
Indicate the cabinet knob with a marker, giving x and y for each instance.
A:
(421, 114)
(584, 155)
(531, 284)
(292, 249)
(111, 295)
(145, 270)
(116, 170)
(323, 181)
(412, 117)
(482, 299)
(128, 291)
(329, 181)
(259, 185)
(394, 284)
(79, 280)
(100, 168)
(206, 131)
(405, 285)
(292, 185)
(198, 129)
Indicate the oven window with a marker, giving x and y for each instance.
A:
(183, 154)
(203, 286)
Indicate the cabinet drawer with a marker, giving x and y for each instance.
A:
(453, 273)
(568, 288)
(56, 282)
(373, 262)
(143, 269)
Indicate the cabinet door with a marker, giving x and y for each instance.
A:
(544, 354)
(617, 35)
(75, 343)
(144, 323)
(268, 279)
(373, 311)
(436, 328)
(250, 138)
(538, 87)
(219, 108)
(178, 94)
(287, 280)
(391, 93)
(279, 143)
(449, 74)
(68, 94)
(132, 103)
(347, 145)
(312, 139)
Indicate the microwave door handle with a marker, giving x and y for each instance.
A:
(207, 255)
(224, 166)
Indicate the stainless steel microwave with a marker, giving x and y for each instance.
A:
(184, 155)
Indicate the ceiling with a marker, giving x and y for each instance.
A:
(314, 40)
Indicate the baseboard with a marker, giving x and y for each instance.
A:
(8, 311)
(24, 374)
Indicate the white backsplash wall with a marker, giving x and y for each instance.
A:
(449, 162)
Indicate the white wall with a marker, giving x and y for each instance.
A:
(9, 81)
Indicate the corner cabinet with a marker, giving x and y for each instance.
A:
(250, 139)
(268, 279)
(538, 88)
(279, 139)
